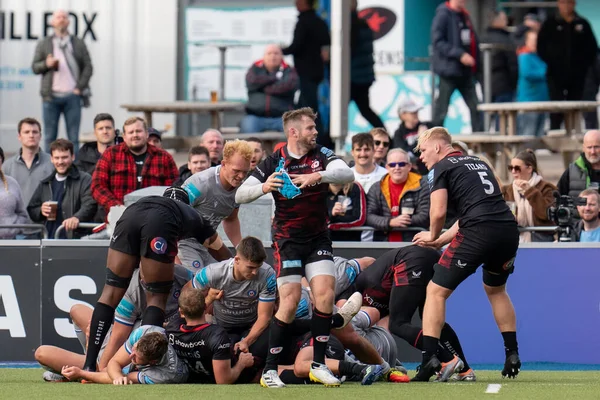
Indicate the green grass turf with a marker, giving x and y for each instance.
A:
(27, 384)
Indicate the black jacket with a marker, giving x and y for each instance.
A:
(184, 173)
(77, 201)
(569, 50)
(356, 216)
(362, 70)
(592, 80)
(270, 94)
(87, 157)
(406, 139)
(505, 68)
(311, 33)
(447, 44)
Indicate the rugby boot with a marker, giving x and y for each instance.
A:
(512, 365)
(270, 379)
(426, 371)
(465, 376)
(320, 373)
(449, 368)
(350, 308)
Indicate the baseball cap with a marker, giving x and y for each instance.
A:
(155, 132)
(408, 106)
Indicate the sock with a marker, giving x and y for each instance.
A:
(386, 367)
(320, 327)
(288, 377)
(510, 342)
(102, 319)
(430, 347)
(444, 355)
(449, 339)
(299, 327)
(80, 336)
(337, 321)
(276, 336)
(153, 316)
(412, 334)
(350, 369)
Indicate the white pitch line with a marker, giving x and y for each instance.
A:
(493, 388)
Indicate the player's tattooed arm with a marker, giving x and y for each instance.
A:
(217, 248)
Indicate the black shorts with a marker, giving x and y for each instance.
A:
(494, 246)
(146, 232)
(411, 273)
(292, 255)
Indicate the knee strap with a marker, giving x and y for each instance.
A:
(115, 280)
(158, 287)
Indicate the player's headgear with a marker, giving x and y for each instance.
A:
(177, 193)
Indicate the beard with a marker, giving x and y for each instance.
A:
(138, 148)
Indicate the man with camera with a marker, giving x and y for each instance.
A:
(588, 228)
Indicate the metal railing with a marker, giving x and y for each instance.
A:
(418, 229)
(33, 227)
(88, 225)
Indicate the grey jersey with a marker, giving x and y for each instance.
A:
(346, 272)
(214, 204)
(133, 304)
(238, 307)
(379, 337)
(170, 369)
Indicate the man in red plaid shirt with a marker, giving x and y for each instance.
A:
(131, 165)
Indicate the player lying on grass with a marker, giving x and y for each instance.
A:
(146, 358)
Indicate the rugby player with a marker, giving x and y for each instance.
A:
(396, 285)
(204, 347)
(486, 233)
(146, 358)
(300, 236)
(146, 235)
(346, 271)
(212, 194)
(249, 288)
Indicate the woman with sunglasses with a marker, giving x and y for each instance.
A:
(529, 196)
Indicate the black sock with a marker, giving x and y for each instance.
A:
(337, 321)
(102, 319)
(289, 378)
(350, 369)
(449, 339)
(153, 316)
(510, 342)
(299, 327)
(276, 337)
(320, 327)
(443, 354)
(430, 347)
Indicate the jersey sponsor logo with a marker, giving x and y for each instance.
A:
(158, 245)
(224, 346)
(196, 264)
(328, 153)
(324, 253)
(251, 293)
(322, 338)
(275, 350)
(189, 345)
(453, 160)
(315, 164)
(257, 169)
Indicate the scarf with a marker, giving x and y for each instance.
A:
(524, 209)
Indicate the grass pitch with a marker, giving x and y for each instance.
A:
(27, 383)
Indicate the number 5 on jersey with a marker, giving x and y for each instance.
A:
(488, 186)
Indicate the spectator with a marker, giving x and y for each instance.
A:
(366, 172)
(67, 186)
(66, 68)
(257, 151)
(398, 201)
(588, 228)
(12, 208)
(504, 61)
(271, 87)
(584, 172)
(456, 59)
(590, 92)
(529, 196)
(198, 160)
(406, 135)
(362, 73)
(130, 166)
(155, 137)
(213, 141)
(347, 207)
(382, 142)
(30, 165)
(310, 48)
(90, 153)
(567, 45)
(531, 22)
(532, 85)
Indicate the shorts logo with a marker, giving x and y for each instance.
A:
(158, 245)
(315, 164)
(324, 253)
(416, 274)
(251, 293)
(196, 264)
(276, 350)
(509, 264)
(322, 338)
(460, 264)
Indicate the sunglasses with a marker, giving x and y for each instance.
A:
(397, 164)
(379, 143)
(515, 168)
